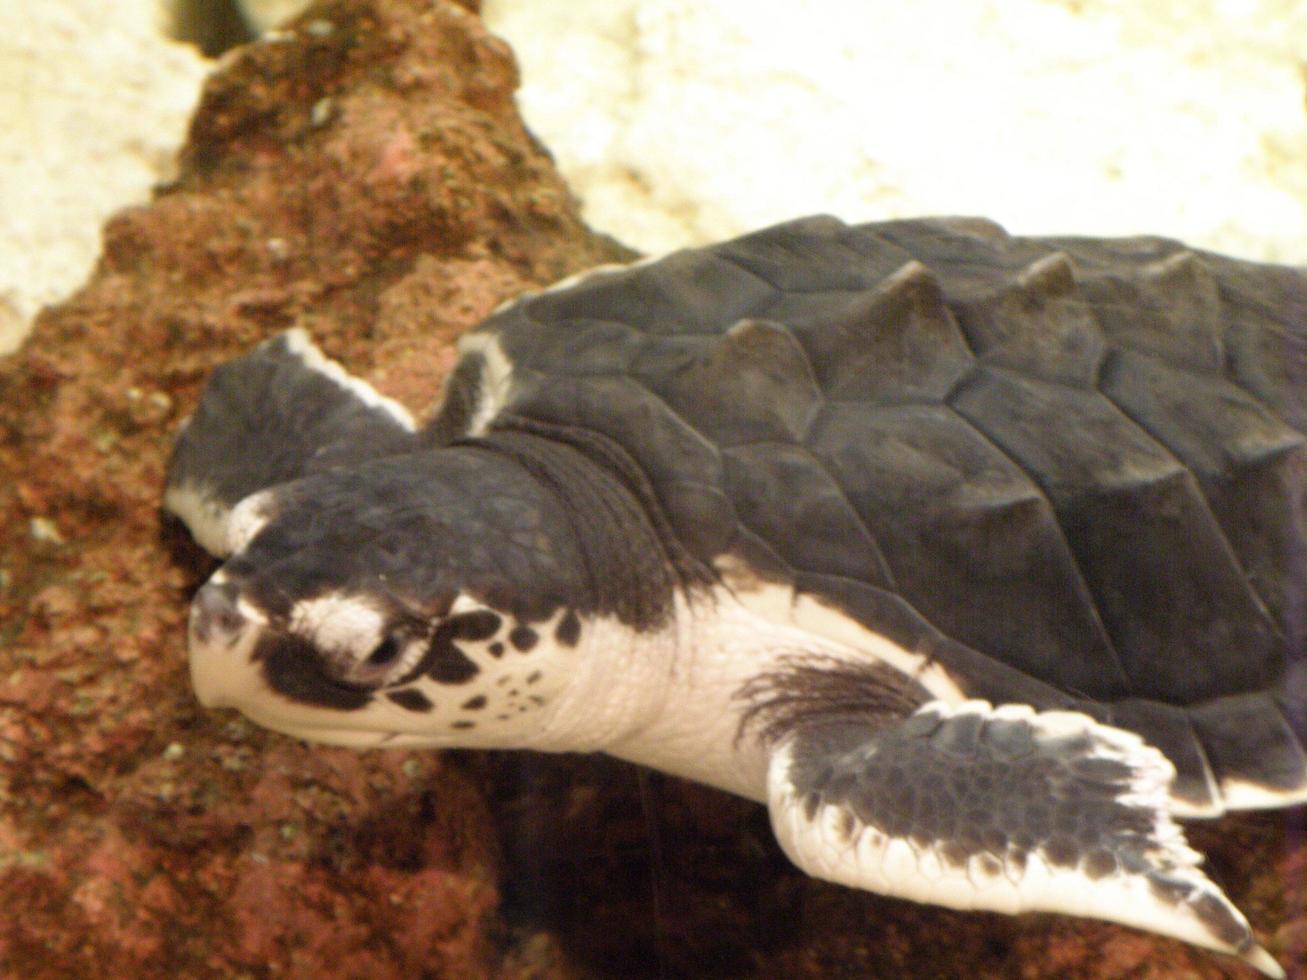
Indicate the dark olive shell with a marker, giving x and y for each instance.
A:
(1071, 469)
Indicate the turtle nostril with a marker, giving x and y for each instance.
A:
(214, 614)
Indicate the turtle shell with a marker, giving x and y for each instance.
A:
(1070, 469)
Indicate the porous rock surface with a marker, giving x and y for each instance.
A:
(366, 176)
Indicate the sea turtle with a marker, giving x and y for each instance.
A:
(977, 558)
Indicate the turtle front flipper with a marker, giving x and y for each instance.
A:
(1004, 809)
(280, 412)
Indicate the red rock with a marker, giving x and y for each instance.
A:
(386, 226)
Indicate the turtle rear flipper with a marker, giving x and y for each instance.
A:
(282, 411)
(1003, 809)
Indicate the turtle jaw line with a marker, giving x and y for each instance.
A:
(215, 667)
(342, 731)
(494, 681)
(357, 738)
(225, 676)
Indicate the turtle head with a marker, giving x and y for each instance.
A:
(425, 599)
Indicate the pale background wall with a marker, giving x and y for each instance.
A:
(680, 121)
(687, 120)
(94, 102)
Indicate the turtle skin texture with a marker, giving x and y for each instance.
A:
(1069, 469)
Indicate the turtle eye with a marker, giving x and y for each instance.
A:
(387, 660)
(384, 654)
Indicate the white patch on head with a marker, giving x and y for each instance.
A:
(338, 623)
(246, 520)
(298, 343)
(203, 513)
(496, 377)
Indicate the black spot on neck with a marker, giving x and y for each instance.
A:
(475, 704)
(568, 630)
(412, 699)
(523, 638)
(476, 626)
(444, 662)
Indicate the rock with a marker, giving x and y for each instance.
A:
(95, 102)
(365, 175)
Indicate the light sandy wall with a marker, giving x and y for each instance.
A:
(94, 104)
(688, 120)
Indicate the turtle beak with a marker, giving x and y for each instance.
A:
(215, 619)
(221, 636)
